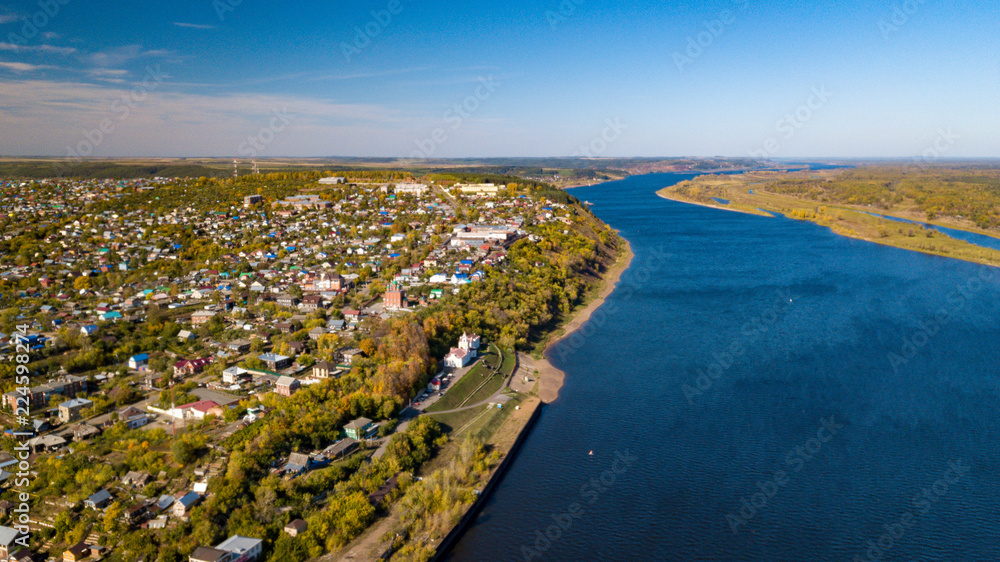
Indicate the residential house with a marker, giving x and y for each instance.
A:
(70, 409)
(201, 317)
(133, 417)
(196, 410)
(311, 303)
(359, 428)
(41, 425)
(136, 479)
(209, 554)
(77, 552)
(244, 549)
(11, 540)
(340, 449)
(191, 366)
(98, 500)
(138, 362)
(297, 463)
(325, 370)
(153, 380)
(295, 527)
(239, 346)
(184, 504)
(286, 386)
(46, 443)
(348, 354)
(84, 432)
(135, 514)
(379, 496)
(235, 375)
(275, 362)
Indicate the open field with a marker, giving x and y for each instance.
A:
(455, 420)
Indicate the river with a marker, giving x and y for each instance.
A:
(762, 389)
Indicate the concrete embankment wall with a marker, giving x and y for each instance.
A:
(456, 533)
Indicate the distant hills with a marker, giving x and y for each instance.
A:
(569, 168)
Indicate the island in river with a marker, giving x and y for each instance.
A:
(942, 210)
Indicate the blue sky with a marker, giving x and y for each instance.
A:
(783, 79)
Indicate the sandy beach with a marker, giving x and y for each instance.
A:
(550, 378)
(720, 206)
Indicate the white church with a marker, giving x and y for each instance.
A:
(468, 348)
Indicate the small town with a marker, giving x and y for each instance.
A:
(259, 367)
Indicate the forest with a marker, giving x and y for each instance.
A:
(962, 193)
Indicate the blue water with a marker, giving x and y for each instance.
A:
(709, 290)
(970, 237)
(721, 201)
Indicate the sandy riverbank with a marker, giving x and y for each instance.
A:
(720, 206)
(550, 379)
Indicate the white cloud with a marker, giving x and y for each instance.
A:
(166, 122)
(37, 48)
(107, 72)
(22, 66)
(118, 56)
(8, 18)
(193, 25)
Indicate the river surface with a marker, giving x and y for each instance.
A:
(762, 389)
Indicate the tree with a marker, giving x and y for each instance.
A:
(289, 549)
(111, 517)
(367, 347)
(183, 450)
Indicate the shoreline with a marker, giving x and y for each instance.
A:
(550, 378)
(629, 174)
(709, 206)
(857, 236)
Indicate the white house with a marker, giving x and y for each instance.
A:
(457, 358)
(133, 417)
(478, 187)
(138, 361)
(411, 188)
(245, 549)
